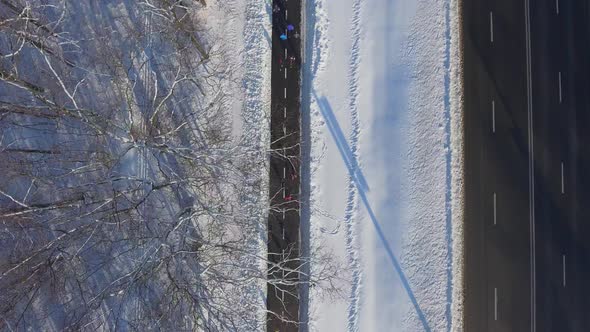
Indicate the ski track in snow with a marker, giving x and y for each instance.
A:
(350, 214)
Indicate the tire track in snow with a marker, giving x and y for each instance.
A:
(350, 214)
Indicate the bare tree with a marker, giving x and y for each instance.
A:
(125, 201)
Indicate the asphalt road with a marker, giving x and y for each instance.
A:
(560, 66)
(526, 72)
(283, 223)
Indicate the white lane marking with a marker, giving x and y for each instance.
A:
(285, 112)
(563, 263)
(557, 6)
(284, 171)
(285, 93)
(560, 97)
(494, 208)
(283, 192)
(284, 130)
(283, 227)
(562, 182)
(286, 14)
(283, 214)
(495, 303)
(493, 116)
(491, 27)
(285, 54)
(531, 165)
(285, 73)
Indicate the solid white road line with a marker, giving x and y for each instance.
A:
(562, 182)
(494, 208)
(563, 263)
(531, 164)
(495, 303)
(559, 76)
(491, 27)
(493, 116)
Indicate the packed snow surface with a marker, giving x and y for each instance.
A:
(383, 96)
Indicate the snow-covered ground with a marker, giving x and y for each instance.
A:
(133, 144)
(381, 85)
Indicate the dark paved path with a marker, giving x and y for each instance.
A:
(283, 223)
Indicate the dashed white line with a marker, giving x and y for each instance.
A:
(286, 14)
(560, 96)
(284, 172)
(285, 54)
(285, 73)
(285, 93)
(557, 6)
(493, 116)
(562, 181)
(283, 228)
(495, 209)
(284, 130)
(491, 27)
(285, 112)
(495, 303)
(563, 264)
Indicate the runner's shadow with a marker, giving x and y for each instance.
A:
(362, 187)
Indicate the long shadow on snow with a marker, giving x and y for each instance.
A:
(363, 188)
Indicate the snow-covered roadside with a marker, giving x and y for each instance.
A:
(242, 31)
(385, 94)
(457, 185)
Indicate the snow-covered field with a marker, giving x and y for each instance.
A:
(382, 87)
